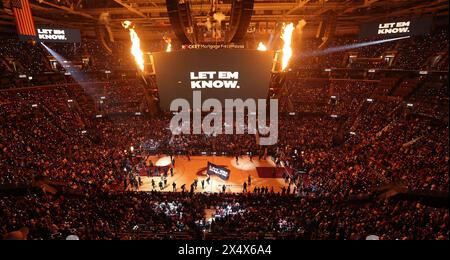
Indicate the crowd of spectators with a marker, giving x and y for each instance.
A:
(415, 53)
(384, 141)
(182, 216)
(343, 138)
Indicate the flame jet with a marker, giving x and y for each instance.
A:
(262, 47)
(286, 36)
(169, 44)
(136, 44)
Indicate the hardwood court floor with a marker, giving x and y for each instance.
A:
(186, 171)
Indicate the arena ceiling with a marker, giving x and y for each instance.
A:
(153, 21)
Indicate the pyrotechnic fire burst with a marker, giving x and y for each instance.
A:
(286, 36)
(136, 44)
(169, 44)
(262, 47)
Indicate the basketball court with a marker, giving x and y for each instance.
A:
(186, 171)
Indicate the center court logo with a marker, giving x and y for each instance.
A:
(228, 119)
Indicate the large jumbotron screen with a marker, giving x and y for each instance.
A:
(221, 74)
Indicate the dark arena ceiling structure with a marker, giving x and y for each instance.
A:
(154, 21)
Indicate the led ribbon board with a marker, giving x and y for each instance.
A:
(396, 28)
(62, 35)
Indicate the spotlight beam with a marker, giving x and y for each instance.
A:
(349, 47)
(75, 73)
